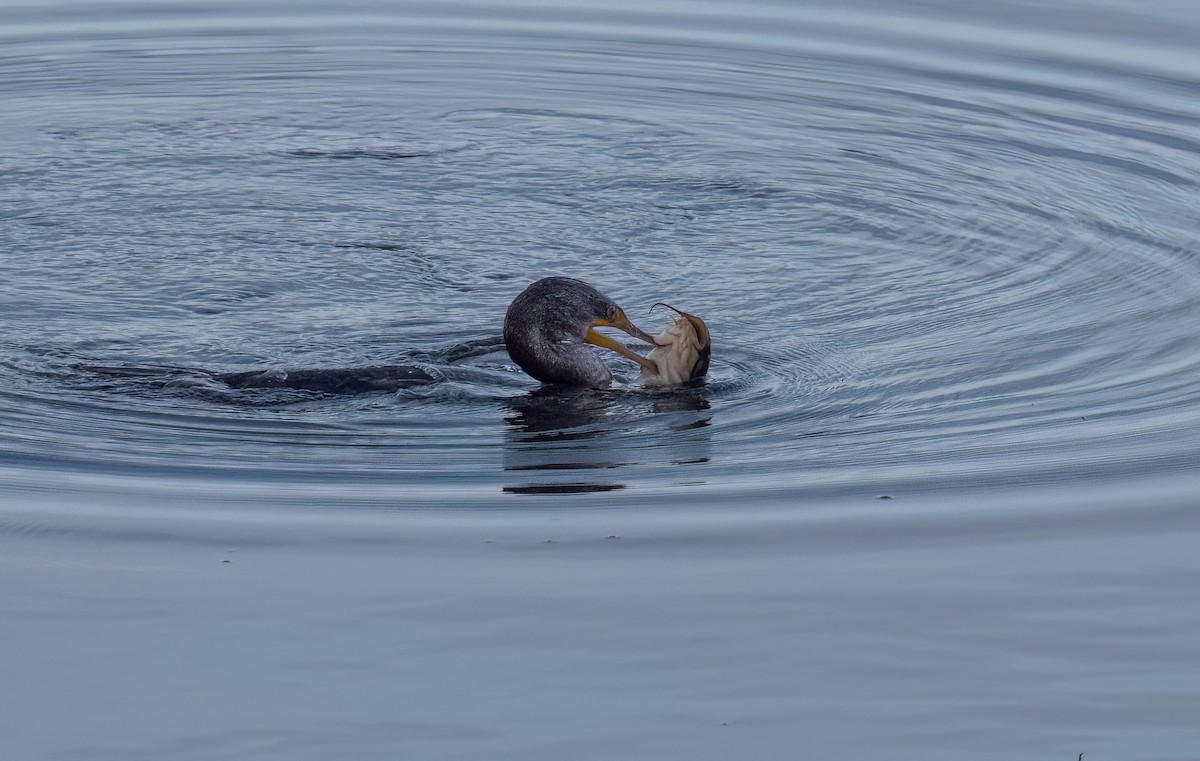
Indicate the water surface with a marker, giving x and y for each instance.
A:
(933, 500)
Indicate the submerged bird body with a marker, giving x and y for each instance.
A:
(353, 380)
(548, 326)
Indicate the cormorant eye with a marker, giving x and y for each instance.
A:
(612, 313)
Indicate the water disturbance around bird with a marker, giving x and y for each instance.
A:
(946, 252)
(927, 267)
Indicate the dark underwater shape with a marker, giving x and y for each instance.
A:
(351, 380)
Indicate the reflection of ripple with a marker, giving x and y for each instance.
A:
(562, 488)
(554, 433)
(381, 150)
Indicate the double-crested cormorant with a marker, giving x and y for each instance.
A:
(548, 326)
(546, 331)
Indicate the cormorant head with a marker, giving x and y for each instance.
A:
(555, 312)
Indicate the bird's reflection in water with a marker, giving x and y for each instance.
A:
(578, 440)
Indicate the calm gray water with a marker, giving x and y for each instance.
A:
(936, 500)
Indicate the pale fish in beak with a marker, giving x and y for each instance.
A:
(681, 352)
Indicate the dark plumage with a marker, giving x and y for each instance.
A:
(354, 380)
(548, 326)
